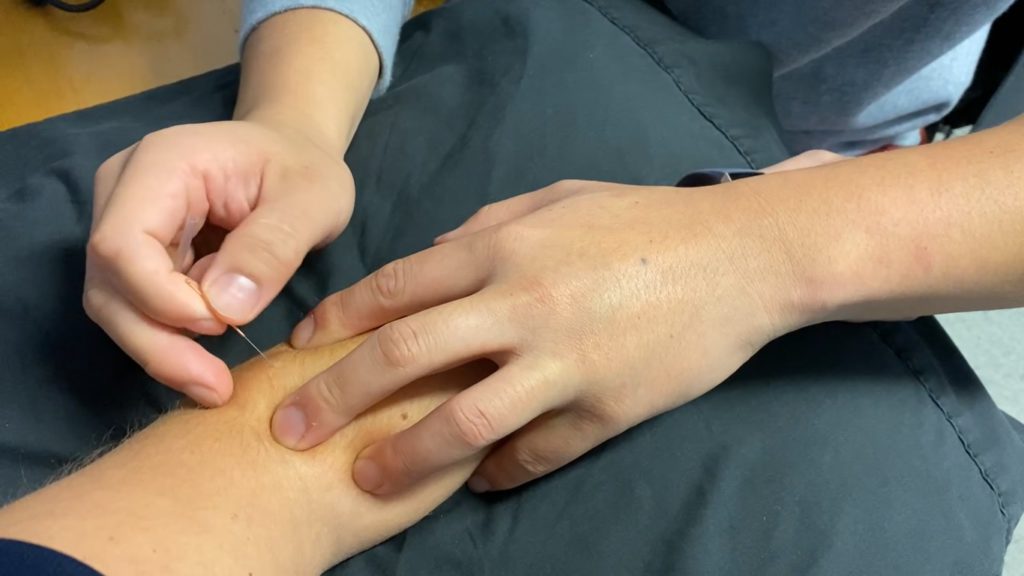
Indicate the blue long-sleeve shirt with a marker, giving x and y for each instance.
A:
(382, 20)
(850, 75)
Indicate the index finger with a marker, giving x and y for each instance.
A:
(439, 274)
(397, 354)
(168, 356)
(142, 217)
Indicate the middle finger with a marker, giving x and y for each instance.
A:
(392, 357)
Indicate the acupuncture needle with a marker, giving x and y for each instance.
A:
(193, 224)
(246, 338)
(192, 284)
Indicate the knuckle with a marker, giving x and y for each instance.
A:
(104, 247)
(506, 241)
(568, 185)
(174, 131)
(93, 303)
(389, 282)
(531, 462)
(402, 465)
(483, 213)
(327, 395)
(276, 246)
(344, 175)
(156, 138)
(399, 344)
(599, 412)
(488, 214)
(820, 156)
(539, 295)
(105, 174)
(472, 424)
(339, 203)
(330, 313)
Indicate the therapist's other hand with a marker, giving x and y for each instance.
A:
(276, 191)
(601, 304)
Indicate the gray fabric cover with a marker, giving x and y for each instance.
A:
(1008, 101)
(840, 449)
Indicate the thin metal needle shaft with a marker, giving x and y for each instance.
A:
(246, 338)
(192, 284)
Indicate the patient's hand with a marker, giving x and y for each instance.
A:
(210, 492)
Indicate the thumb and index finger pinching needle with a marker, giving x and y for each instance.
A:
(192, 284)
(192, 226)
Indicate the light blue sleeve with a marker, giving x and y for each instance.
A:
(382, 20)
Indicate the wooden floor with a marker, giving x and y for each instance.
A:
(53, 62)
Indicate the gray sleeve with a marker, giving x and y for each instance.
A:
(382, 20)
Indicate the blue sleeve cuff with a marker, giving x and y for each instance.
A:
(381, 19)
(23, 558)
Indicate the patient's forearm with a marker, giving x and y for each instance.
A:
(210, 492)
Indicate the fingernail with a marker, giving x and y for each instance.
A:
(207, 326)
(289, 426)
(204, 395)
(303, 332)
(367, 475)
(233, 296)
(478, 484)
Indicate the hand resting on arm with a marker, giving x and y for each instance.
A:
(210, 491)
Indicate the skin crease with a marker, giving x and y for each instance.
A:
(210, 492)
(272, 178)
(690, 282)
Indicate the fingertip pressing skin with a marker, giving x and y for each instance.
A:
(199, 375)
(478, 484)
(318, 410)
(192, 370)
(288, 425)
(303, 332)
(370, 476)
(493, 412)
(300, 424)
(289, 422)
(209, 491)
(367, 475)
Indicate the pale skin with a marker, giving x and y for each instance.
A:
(273, 177)
(210, 492)
(602, 304)
(690, 282)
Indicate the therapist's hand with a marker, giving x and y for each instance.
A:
(601, 304)
(277, 191)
